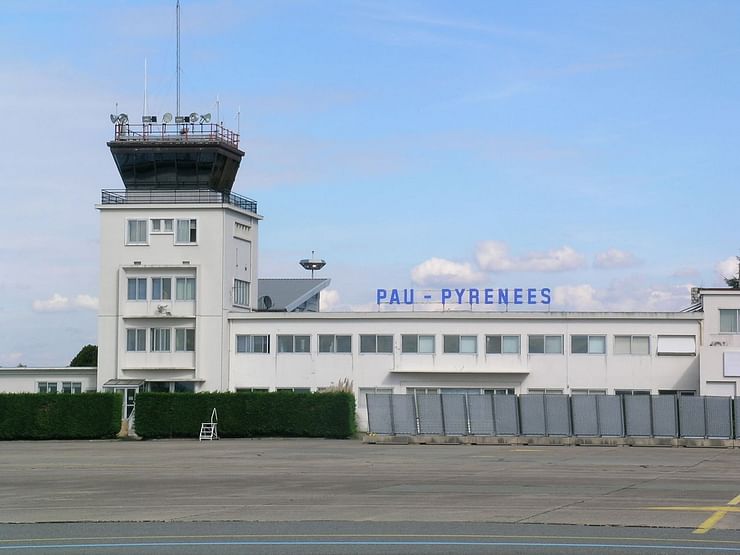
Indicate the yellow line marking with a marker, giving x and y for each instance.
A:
(710, 523)
(723, 508)
(719, 513)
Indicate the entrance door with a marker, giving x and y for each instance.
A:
(129, 395)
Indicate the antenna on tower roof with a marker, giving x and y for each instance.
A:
(178, 57)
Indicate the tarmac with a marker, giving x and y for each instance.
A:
(296, 480)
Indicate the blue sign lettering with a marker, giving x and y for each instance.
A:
(463, 296)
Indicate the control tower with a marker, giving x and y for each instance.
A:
(178, 255)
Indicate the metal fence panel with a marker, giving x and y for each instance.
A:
(429, 407)
(505, 415)
(557, 415)
(665, 416)
(379, 416)
(455, 414)
(737, 417)
(691, 421)
(532, 415)
(404, 414)
(611, 419)
(585, 419)
(480, 413)
(718, 414)
(637, 415)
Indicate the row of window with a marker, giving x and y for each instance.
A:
(185, 231)
(728, 321)
(53, 387)
(161, 288)
(160, 340)
(468, 344)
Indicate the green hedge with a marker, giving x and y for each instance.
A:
(59, 416)
(281, 414)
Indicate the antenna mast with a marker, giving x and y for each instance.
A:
(178, 58)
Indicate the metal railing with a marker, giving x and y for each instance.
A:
(175, 196)
(175, 133)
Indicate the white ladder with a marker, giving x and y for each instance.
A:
(209, 430)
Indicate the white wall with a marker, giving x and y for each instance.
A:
(715, 380)
(26, 380)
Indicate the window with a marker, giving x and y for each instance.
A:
(185, 289)
(252, 390)
(588, 391)
(499, 391)
(160, 225)
(460, 344)
(136, 289)
(376, 343)
(417, 344)
(503, 344)
(588, 344)
(295, 389)
(631, 392)
(185, 339)
(136, 340)
(546, 344)
(728, 321)
(252, 343)
(294, 343)
(47, 387)
(545, 391)
(335, 343)
(160, 339)
(679, 392)
(137, 231)
(186, 231)
(631, 344)
(241, 292)
(684, 345)
(71, 387)
(161, 289)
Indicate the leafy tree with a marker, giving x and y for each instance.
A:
(734, 282)
(88, 356)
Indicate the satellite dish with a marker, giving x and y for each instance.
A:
(113, 118)
(264, 303)
(123, 118)
(193, 117)
(167, 117)
(205, 118)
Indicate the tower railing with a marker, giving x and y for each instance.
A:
(175, 133)
(176, 196)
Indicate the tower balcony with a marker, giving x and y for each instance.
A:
(176, 196)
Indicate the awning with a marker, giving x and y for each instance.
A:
(124, 383)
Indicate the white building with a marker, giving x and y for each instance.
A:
(180, 309)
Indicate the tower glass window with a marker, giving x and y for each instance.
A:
(241, 292)
(185, 339)
(160, 339)
(161, 289)
(185, 289)
(136, 289)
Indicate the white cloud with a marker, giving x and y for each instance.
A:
(615, 258)
(86, 302)
(328, 300)
(493, 256)
(728, 267)
(60, 303)
(578, 297)
(438, 271)
(10, 359)
(629, 295)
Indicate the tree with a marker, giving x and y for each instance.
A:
(88, 356)
(734, 282)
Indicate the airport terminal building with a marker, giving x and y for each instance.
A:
(182, 308)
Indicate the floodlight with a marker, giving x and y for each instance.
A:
(123, 119)
(205, 118)
(113, 118)
(193, 117)
(167, 117)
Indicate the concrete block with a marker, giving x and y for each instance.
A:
(601, 441)
(651, 441)
(700, 442)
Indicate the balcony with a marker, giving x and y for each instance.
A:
(176, 196)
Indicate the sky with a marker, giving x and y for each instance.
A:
(588, 147)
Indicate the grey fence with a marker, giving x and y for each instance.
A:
(554, 415)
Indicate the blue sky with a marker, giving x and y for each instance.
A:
(590, 147)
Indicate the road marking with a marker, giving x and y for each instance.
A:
(350, 536)
(640, 547)
(527, 450)
(718, 513)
